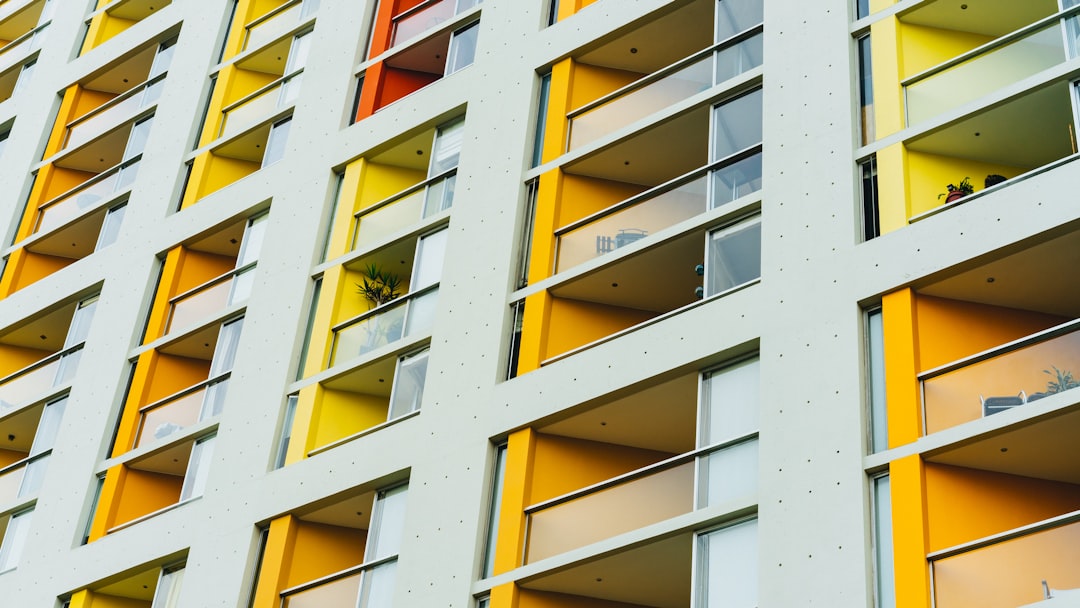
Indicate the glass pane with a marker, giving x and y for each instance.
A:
(439, 196)
(984, 74)
(308, 8)
(11, 484)
(275, 144)
(198, 469)
(162, 59)
(493, 512)
(610, 511)
(48, 426)
(738, 58)
(199, 305)
(734, 16)
(286, 431)
(167, 593)
(1010, 379)
(389, 219)
(342, 593)
(34, 475)
(25, 74)
(541, 119)
(729, 567)
(241, 286)
(421, 313)
(631, 223)
(104, 118)
(170, 416)
(214, 400)
(732, 398)
(736, 125)
(378, 586)
(298, 53)
(69, 363)
(1009, 573)
(75, 202)
(408, 388)
(225, 349)
(419, 21)
(883, 543)
(110, 228)
(17, 390)
(879, 430)
(639, 102)
(866, 91)
(18, 530)
(269, 29)
(254, 109)
(80, 322)
(126, 176)
(736, 180)
(462, 48)
(137, 138)
(429, 260)
(729, 474)
(253, 240)
(389, 525)
(734, 257)
(447, 148)
(371, 333)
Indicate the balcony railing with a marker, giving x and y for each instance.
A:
(419, 19)
(214, 296)
(277, 22)
(180, 411)
(339, 590)
(666, 87)
(1001, 378)
(404, 209)
(112, 113)
(991, 66)
(401, 318)
(1011, 568)
(86, 195)
(22, 479)
(34, 381)
(640, 498)
(261, 104)
(16, 50)
(665, 205)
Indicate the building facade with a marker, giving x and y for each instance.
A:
(539, 303)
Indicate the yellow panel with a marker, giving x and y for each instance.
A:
(930, 174)
(899, 324)
(575, 323)
(912, 573)
(925, 47)
(564, 464)
(341, 414)
(592, 82)
(14, 358)
(517, 479)
(321, 549)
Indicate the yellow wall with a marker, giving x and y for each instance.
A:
(9, 457)
(103, 27)
(929, 174)
(582, 196)
(128, 494)
(89, 599)
(339, 414)
(591, 82)
(14, 358)
(574, 323)
(968, 504)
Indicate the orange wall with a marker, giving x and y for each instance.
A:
(582, 196)
(574, 323)
(967, 504)
(563, 464)
(143, 492)
(322, 549)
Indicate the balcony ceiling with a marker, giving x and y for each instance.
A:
(45, 333)
(659, 42)
(428, 56)
(661, 417)
(247, 147)
(198, 344)
(138, 587)
(17, 432)
(658, 279)
(375, 379)
(123, 76)
(354, 512)
(225, 242)
(1025, 132)
(652, 156)
(99, 154)
(1039, 278)
(657, 574)
(404, 153)
(73, 241)
(1045, 449)
(136, 10)
(270, 59)
(173, 460)
(21, 21)
(993, 18)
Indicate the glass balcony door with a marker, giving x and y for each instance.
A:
(383, 546)
(446, 151)
(16, 535)
(198, 468)
(430, 254)
(408, 389)
(728, 567)
(167, 592)
(224, 357)
(44, 440)
(733, 256)
(728, 415)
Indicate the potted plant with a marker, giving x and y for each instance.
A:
(1062, 381)
(954, 192)
(378, 286)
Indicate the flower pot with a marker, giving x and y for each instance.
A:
(955, 195)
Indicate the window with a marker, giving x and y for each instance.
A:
(198, 469)
(734, 256)
(871, 212)
(736, 148)
(286, 431)
(25, 74)
(44, 439)
(729, 417)
(430, 251)
(885, 585)
(493, 512)
(541, 119)
(275, 144)
(446, 151)
(15, 530)
(383, 545)
(462, 48)
(875, 355)
(408, 389)
(728, 567)
(167, 593)
(220, 365)
(110, 228)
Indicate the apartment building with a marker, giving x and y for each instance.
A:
(539, 303)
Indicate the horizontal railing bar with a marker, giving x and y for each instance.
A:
(337, 575)
(218, 279)
(40, 363)
(187, 391)
(993, 539)
(24, 462)
(384, 307)
(93, 180)
(666, 71)
(1035, 338)
(271, 14)
(638, 473)
(416, 9)
(115, 101)
(21, 39)
(259, 91)
(999, 42)
(404, 193)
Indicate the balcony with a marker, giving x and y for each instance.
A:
(348, 549)
(152, 484)
(412, 67)
(260, 104)
(637, 464)
(14, 79)
(992, 342)
(111, 17)
(261, 84)
(411, 316)
(235, 158)
(152, 586)
(30, 435)
(22, 29)
(276, 22)
(42, 354)
(404, 209)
